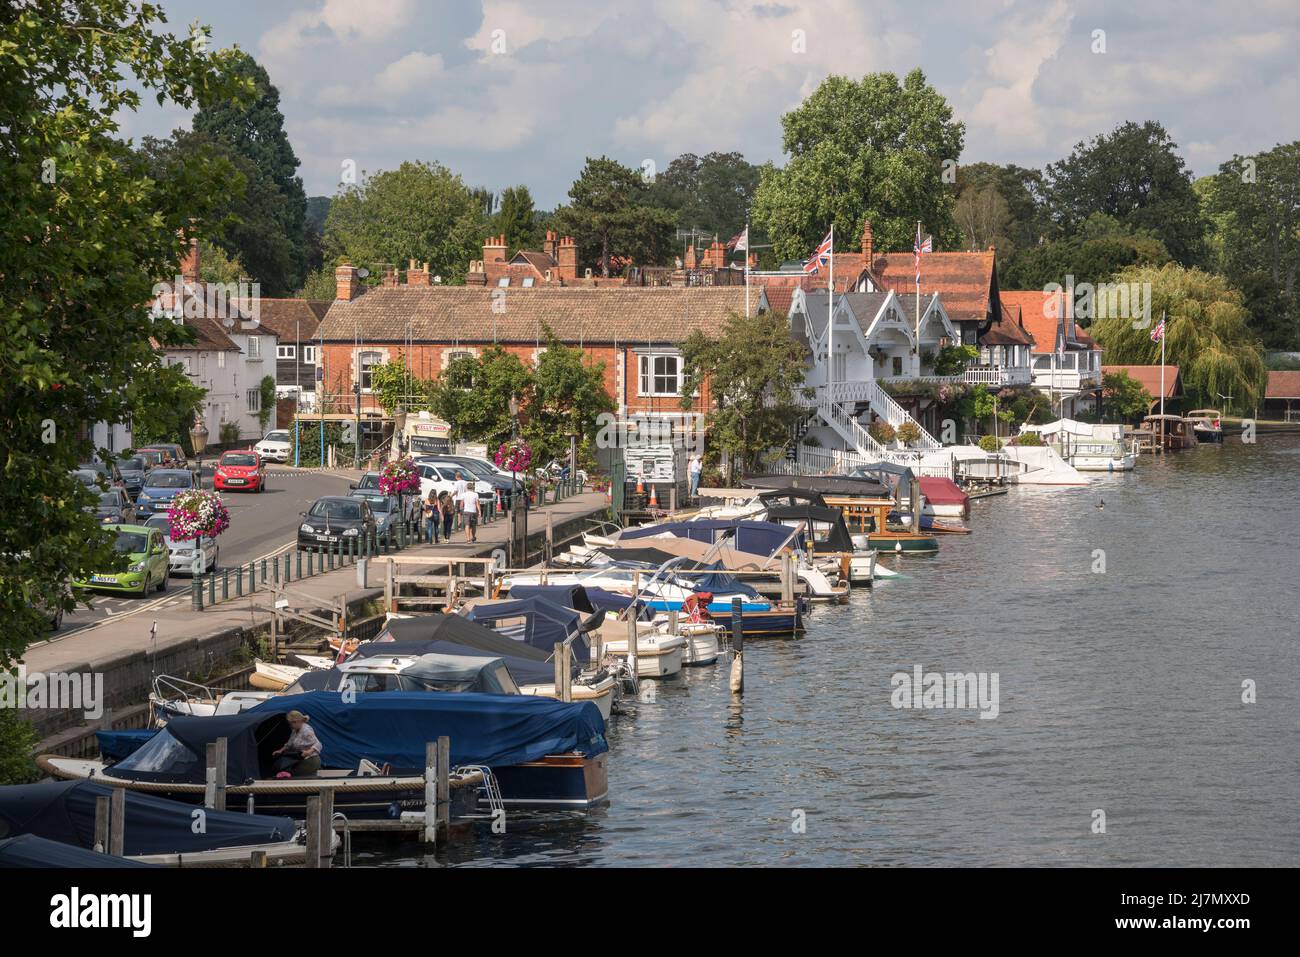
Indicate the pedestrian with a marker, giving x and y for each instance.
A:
(470, 509)
(458, 489)
(448, 509)
(693, 470)
(432, 517)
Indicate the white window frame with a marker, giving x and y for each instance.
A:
(309, 355)
(647, 374)
(286, 352)
(254, 347)
(363, 369)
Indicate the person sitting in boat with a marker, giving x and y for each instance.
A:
(300, 755)
(696, 606)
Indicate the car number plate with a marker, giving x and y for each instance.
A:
(103, 579)
(327, 538)
(234, 481)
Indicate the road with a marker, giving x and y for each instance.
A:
(259, 523)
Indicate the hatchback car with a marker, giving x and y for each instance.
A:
(440, 476)
(146, 556)
(160, 487)
(242, 471)
(336, 519)
(387, 510)
(132, 466)
(173, 455)
(109, 472)
(114, 508)
(187, 557)
(275, 446)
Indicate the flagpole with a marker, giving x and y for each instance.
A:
(918, 296)
(830, 321)
(1164, 331)
(747, 265)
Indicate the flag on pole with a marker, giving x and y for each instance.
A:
(822, 256)
(739, 242)
(1158, 333)
(921, 246)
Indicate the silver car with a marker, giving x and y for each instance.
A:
(184, 558)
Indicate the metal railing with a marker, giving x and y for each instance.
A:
(849, 428)
(883, 404)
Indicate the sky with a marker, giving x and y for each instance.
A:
(522, 91)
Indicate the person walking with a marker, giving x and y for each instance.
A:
(448, 509)
(432, 510)
(694, 470)
(470, 507)
(458, 489)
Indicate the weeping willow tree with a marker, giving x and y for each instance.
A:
(1206, 331)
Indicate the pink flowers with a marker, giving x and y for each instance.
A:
(399, 476)
(514, 457)
(197, 513)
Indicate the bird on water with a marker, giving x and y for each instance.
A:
(1101, 503)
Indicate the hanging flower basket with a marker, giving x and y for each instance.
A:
(197, 513)
(514, 457)
(399, 477)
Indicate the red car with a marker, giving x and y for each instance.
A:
(242, 471)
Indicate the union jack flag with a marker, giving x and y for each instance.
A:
(822, 256)
(921, 246)
(1158, 332)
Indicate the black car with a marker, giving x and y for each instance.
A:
(336, 520)
(114, 508)
(109, 473)
(132, 468)
(387, 510)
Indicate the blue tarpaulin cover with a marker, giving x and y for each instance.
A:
(745, 535)
(64, 811)
(533, 620)
(29, 851)
(580, 597)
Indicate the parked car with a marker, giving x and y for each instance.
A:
(336, 518)
(440, 476)
(275, 446)
(132, 467)
(160, 487)
(146, 556)
(87, 477)
(387, 510)
(181, 555)
(109, 472)
(369, 483)
(480, 470)
(153, 458)
(242, 471)
(114, 508)
(173, 455)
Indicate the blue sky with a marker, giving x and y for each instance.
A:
(382, 81)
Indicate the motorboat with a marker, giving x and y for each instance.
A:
(1207, 424)
(173, 697)
(1086, 446)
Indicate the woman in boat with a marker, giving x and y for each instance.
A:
(696, 607)
(300, 756)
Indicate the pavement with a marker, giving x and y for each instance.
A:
(170, 621)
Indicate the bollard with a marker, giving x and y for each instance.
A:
(275, 570)
(330, 552)
(212, 588)
(196, 598)
(738, 643)
(252, 577)
(299, 551)
(239, 582)
(263, 571)
(311, 555)
(225, 584)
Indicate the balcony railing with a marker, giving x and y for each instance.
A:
(998, 375)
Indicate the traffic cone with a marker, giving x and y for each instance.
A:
(654, 501)
(501, 505)
(640, 484)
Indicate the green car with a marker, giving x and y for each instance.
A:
(146, 553)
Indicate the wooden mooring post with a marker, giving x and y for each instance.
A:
(110, 823)
(314, 835)
(214, 793)
(437, 790)
(738, 644)
(631, 642)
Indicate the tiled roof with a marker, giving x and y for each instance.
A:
(209, 333)
(1283, 385)
(1039, 314)
(291, 319)
(466, 313)
(778, 298)
(1149, 376)
(964, 281)
(1007, 331)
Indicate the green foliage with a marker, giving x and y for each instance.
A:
(1100, 249)
(228, 433)
(516, 219)
(754, 368)
(566, 396)
(216, 266)
(309, 445)
(418, 211)
(990, 443)
(86, 233)
(952, 360)
(1124, 397)
(869, 149)
(473, 394)
(1022, 191)
(391, 385)
(17, 741)
(611, 215)
(1029, 439)
(163, 404)
(1207, 336)
(253, 129)
(908, 432)
(1135, 175)
(711, 193)
(267, 408)
(319, 284)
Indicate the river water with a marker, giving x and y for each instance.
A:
(1119, 692)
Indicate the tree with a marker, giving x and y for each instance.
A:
(610, 216)
(566, 396)
(1023, 190)
(1254, 207)
(984, 219)
(86, 232)
(1095, 253)
(753, 369)
(516, 220)
(163, 403)
(419, 211)
(216, 266)
(711, 193)
(254, 128)
(1206, 335)
(320, 284)
(473, 394)
(1124, 397)
(266, 407)
(392, 384)
(871, 149)
(1135, 175)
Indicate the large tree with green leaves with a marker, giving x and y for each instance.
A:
(1123, 397)
(753, 368)
(1134, 174)
(1254, 208)
(610, 214)
(420, 211)
(1100, 247)
(517, 220)
(711, 193)
(873, 149)
(86, 234)
(1207, 335)
(254, 129)
(473, 394)
(567, 394)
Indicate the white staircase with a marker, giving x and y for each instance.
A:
(838, 418)
(883, 404)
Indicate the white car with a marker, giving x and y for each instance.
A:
(441, 477)
(275, 447)
(182, 557)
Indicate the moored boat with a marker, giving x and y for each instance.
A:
(1207, 424)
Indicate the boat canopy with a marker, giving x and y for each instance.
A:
(1068, 426)
(64, 811)
(391, 728)
(897, 478)
(942, 491)
(746, 535)
(438, 671)
(791, 496)
(27, 851)
(534, 621)
(824, 525)
(437, 633)
(526, 665)
(582, 598)
(825, 484)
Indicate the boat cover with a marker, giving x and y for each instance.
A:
(64, 811)
(746, 535)
(835, 538)
(1068, 426)
(534, 621)
(524, 670)
(577, 597)
(825, 484)
(390, 727)
(27, 851)
(942, 491)
(426, 634)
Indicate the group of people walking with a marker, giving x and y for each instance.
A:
(440, 510)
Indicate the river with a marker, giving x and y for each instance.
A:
(1119, 691)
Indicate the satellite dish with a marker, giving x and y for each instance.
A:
(363, 273)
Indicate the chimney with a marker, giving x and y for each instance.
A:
(416, 274)
(390, 276)
(690, 257)
(494, 249)
(548, 245)
(190, 262)
(567, 259)
(867, 240)
(716, 257)
(347, 284)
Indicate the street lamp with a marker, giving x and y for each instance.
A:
(516, 518)
(399, 425)
(198, 439)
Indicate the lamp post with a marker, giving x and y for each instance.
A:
(198, 442)
(399, 426)
(518, 519)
